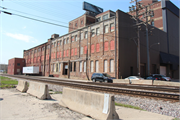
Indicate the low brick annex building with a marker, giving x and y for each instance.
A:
(102, 43)
(15, 66)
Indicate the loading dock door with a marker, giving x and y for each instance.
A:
(163, 70)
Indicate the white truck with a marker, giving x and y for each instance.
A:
(31, 70)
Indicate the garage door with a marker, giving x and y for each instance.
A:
(163, 70)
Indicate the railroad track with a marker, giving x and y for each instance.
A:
(111, 88)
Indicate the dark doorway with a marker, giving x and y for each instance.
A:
(65, 68)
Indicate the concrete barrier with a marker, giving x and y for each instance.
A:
(166, 83)
(120, 81)
(22, 86)
(97, 105)
(39, 90)
(144, 82)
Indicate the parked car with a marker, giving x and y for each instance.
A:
(102, 77)
(151, 78)
(134, 78)
(161, 77)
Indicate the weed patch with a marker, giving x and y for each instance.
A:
(7, 82)
(128, 106)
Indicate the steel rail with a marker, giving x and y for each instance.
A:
(111, 89)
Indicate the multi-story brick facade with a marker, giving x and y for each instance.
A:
(98, 43)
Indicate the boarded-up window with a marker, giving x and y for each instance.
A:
(97, 31)
(112, 27)
(92, 48)
(92, 70)
(81, 50)
(67, 52)
(57, 55)
(60, 54)
(106, 29)
(84, 66)
(80, 66)
(97, 66)
(105, 65)
(97, 47)
(72, 38)
(111, 65)
(72, 52)
(64, 53)
(112, 45)
(106, 46)
(92, 33)
(75, 51)
(54, 55)
(86, 35)
(85, 49)
(76, 38)
(59, 67)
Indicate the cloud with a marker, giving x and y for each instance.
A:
(22, 37)
(24, 27)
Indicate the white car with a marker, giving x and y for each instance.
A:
(134, 78)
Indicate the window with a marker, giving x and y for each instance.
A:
(72, 38)
(97, 47)
(97, 31)
(152, 23)
(84, 66)
(97, 66)
(54, 44)
(92, 48)
(105, 17)
(106, 46)
(81, 50)
(67, 53)
(112, 45)
(92, 66)
(67, 40)
(98, 19)
(54, 67)
(60, 42)
(70, 66)
(86, 35)
(76, 24)
(72, 52)
(75, 51)
(64, 53)
(64, 41)
(112, 27)
(105, 65)
(76, 38)
(18, 64)
(85, 49)
(111, 65)
(92, 33)
(74, 66)
(106, 29)
(80, 66)
(81, 22)
(59, 67)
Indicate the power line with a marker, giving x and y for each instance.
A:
(32, 14)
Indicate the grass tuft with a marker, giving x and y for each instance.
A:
(7, 82)
(128, 106)
(176, 119)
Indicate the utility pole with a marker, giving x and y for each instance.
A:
(139, 17)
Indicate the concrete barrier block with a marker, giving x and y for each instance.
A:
(22, 86)
(39, 90)
(120, 81)
(166, 83)
(145, 82)
(97, 105)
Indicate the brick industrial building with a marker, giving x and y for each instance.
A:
(102, 43)
(15, 66)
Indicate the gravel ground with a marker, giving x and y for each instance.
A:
(151, 105)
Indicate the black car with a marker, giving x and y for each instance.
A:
(102, 77)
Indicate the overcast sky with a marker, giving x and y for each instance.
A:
(18, 33)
